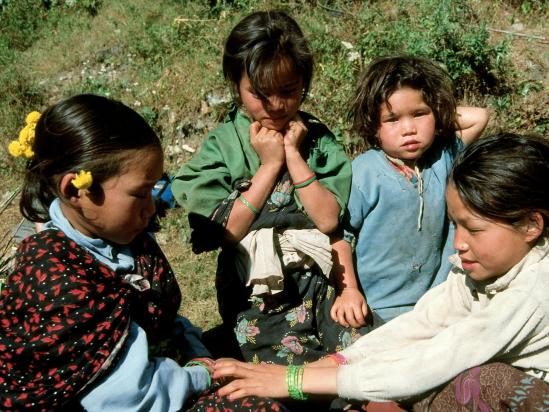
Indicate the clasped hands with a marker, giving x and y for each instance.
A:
(275, 147)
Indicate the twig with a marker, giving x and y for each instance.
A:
(10, 199)
(336, 12)
(514, 33)
(186, 20)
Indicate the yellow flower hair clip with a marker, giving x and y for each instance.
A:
(83, 180)
(23, 145)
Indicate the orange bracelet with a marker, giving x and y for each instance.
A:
(338, 357)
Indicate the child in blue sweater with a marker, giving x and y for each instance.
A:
(405, 109)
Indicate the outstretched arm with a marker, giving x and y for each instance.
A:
(471, 122)
(270, 380)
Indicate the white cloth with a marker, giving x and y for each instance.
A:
(258, 260)
(457, 325)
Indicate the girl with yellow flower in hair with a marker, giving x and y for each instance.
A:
(89, 314)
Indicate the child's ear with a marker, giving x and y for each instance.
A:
(534, 226)
(68, 191)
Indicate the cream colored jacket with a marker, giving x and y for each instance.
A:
(453, 327)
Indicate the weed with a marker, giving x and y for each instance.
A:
(164, 59)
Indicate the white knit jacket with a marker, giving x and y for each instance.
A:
(453, 327)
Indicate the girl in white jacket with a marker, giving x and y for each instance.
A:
(480, 339)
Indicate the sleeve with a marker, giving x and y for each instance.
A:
(360, 202)
(139, 384)
(192, 337)
(332, 167)
(430, 315)
(439, 339)
(203, 182)
(456, 147)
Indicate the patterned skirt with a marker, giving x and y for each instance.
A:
(214, 403)
(291, 327)
(490, 387)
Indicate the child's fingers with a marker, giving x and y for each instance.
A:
(359, 316)
(365, 309)
(229, 368)
(298, 120)
(229, 389)
(333, 312)
(255, 127)
(341, 318)
(350, 316)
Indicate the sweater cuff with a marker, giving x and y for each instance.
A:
(346, 382)
(200, 378)
(351, 354)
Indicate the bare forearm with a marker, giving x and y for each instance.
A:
(343, 269)
(320, 381)
(242, 216)
(319, 203)
(471, 122)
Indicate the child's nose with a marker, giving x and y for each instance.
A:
(276, 103)
(408, 126)
(150, 210)
(459, 241)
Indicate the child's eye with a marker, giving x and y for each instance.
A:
(254, 93)
(390, 120)
(421, 113)
(141, 195)
(289, 92)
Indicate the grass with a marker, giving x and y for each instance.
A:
(164, 60)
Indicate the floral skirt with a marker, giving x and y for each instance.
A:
(490, 387)
(291, 327)
(214, 403)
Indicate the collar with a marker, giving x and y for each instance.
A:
(118, 258)
(414, 177)
(536, 254)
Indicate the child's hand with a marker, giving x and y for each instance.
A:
(294, 134)
(251, 379)
(349, 308)
(268, 144)
(208, 363)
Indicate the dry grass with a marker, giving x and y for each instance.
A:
(163, 60)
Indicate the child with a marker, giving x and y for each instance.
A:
(405, 109)
(267, 185)
(492, 308)
(92, 294)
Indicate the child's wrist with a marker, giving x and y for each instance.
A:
(272, 166)
(337, 358)
(292, 153)
(294, 382)
(201, 365)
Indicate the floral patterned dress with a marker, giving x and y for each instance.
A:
(290, 327)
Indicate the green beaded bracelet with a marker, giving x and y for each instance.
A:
(305, 183)
(294, 380)
(248, 204)
(203, 365)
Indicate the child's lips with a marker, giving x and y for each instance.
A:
(279, 122)
(411, 145)
(275, 119)
(467, 264)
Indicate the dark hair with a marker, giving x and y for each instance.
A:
(386, 75)
(83, 132)
(504, 177)
(263, 43)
